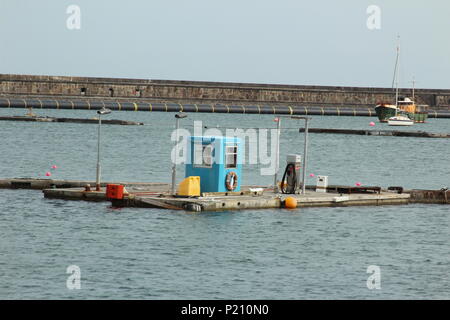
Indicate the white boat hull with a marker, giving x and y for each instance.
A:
(400, 121)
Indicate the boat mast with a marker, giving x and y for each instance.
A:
(396, 76)
(395, 72)
(414, 84)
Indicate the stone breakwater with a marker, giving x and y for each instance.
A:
(146, 91)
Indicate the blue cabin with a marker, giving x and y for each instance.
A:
(217, 161)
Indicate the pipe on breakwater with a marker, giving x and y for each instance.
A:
(117, 105)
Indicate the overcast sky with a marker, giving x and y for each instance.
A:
(280, 41)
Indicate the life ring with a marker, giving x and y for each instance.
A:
(231, 180)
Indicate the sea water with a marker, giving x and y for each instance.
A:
(134, 253)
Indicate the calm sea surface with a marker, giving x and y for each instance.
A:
(315, 253)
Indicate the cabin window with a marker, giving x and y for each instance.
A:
(231, 156)
(203, 155)
(83, 91)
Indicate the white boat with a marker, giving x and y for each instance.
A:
(400, 121)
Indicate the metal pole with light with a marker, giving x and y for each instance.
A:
(100, 112)
(306, 156)
(305, 151)
(178, 116)
(277, 159)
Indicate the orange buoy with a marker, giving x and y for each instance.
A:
(290, 203)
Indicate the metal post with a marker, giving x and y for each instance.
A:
(277, 159)
(174, 165)
(99, 112)
(305, 156)
(305, 151)
(97, 180)
(178, 116)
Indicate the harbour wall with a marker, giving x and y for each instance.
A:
(144, 91)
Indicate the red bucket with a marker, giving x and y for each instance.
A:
(114, 191)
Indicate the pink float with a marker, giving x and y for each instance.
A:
(358, 184)
(311, 175)
(372, 124)
(48, 174)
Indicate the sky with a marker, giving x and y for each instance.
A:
(256, 41)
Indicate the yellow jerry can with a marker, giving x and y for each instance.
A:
(190, 186)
